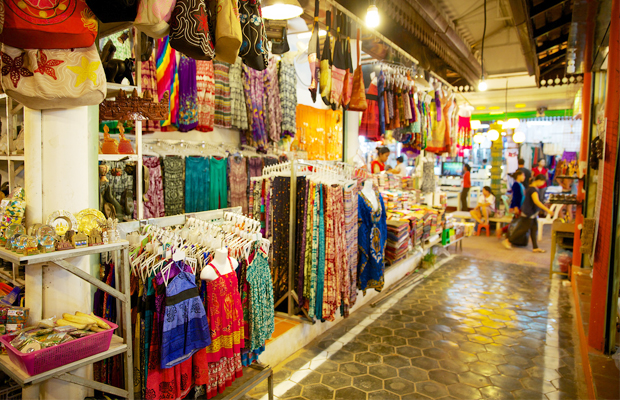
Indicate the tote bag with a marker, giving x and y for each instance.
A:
(153, 17)
(114, 10)
(358, 93)
(190, 31)
(43, 79)
(38, 24)
(227, 31)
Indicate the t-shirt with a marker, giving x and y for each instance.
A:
(378, 163)
(528, 176)
(518, 192)
(541, 171)
(402, 169)
(490, 199)
(467, 179)
(529, 208)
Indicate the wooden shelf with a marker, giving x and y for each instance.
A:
(117, 157)
(15, 282)
(19, 157)
(23, 379)
(60, 255)
(114, 88)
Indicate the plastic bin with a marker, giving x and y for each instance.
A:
(44, 360)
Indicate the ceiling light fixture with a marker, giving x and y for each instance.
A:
(482, 85)
(372, 15)
(512, 123)
(478, 138)
(493, 135)
(281, 9)
(518, 137)
(475, 124)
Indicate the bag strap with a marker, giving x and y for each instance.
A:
(359, 47)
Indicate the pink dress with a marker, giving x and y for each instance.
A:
(205, 83)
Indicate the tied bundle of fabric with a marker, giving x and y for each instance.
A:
(339, 67)
(313, 50)
(326, 63)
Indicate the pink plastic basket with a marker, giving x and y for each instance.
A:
(44, 360)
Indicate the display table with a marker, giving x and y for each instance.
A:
(120, 344)
(466, 215)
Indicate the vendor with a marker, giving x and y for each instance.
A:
(485, 208)
(378, 164)
(401, 168)
(466, 186)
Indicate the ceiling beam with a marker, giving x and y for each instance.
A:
(552, 57)
(549, 44)
(558, 23)
(544, 6)
(552, 67)
(523, 24)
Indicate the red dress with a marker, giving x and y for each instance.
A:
(370, 117)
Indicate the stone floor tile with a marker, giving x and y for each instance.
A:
(408, 351)
(462, 391)
(395, 341)
(336, 380)
(455, 366)
(506, 382)
(431, 389)
(431, 335)
(318, 392)
(473, 379)
(483, 368)
(424, 363)
(397, 361)
(327, 366)
(512, 371)
(420, 343)
(446, 345)
(382, 395)
(495, 393)
(353, 369)
(367, 383)
(292, 392)
(538, 385)
(399, 386)
(350, 393)
(381, 349)
(415, 396)
(443, 376)
(383, 371)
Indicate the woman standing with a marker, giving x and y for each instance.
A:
(528, 218)
(378, 164)
(541, 170)
(485, 207)
(466, 187)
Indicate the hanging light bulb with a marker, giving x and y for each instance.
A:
(512, 123)
(478, 138)
(475, 124)
(518, 137)
(493, 135)
(281, 9)
(372, 15)
(482, 85)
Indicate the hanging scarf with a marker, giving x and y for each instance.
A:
(313, 47)
(326, 63)
(168, 79)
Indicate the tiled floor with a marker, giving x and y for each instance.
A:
(474, 329)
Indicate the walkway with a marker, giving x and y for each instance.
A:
(474, 329)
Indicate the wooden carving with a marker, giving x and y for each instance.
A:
(134, 108)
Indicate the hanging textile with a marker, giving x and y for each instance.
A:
(300, 235)
(340, 65)
(273, 110)
(154, 196)
(288, 96)
(188, 94)
(206, 95)
(168, 80)
(254, 95)
(238, 178)
(381, 102)
(148, 74)
(222, 94)
(370, 118)
(350, 216)
(372, 236)
(218, 190)
(313, 54)
(238, 105)
(261, 300)
(326, 63)
(174, 179)
(348, 76)
(464, 136)
(197, 175)
(280, 204)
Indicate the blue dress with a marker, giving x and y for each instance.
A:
(372, 235)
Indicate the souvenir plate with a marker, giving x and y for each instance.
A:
(62, 221)
(88, 219)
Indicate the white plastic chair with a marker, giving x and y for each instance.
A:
(548, 220)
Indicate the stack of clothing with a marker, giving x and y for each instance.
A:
(393, 182)
(397, 241)
(407, 183)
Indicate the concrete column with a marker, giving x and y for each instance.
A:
(62, 174)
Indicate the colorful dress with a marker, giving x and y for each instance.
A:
(205, 84)
(261, 300)
(238, 106)
(188, 94)
(288, 96)
(168, 80)
(148, 74)
(371, 243)
(370, 118)
(222, 95)
(154, 196)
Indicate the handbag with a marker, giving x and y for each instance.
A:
(339, 67)
(277, 35)
(32, 24)
(348, 76)
(313, 51)
(227, 31)
(358, 92)
(114, 10)
(153, 16)
(326, 63)
(252, 51)
(43, 79)
(190, 31)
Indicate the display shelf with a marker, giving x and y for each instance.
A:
(118, 157)
(15, 282)
(60, 255)
(564, 202)
(23, 379)
(567, 177)
(19, 157)
(432, 241)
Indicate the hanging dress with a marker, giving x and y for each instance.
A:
(261, 300)
(223, 117)
(188, 94)
(370, 118)
(372, 236)
(205, 82)
(238, 107)
(148, 74)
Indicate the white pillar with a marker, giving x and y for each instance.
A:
(64, 167)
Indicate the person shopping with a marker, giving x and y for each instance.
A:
(528, 217)
(401, 168)
(526, 172)
(378, 164)
(541, 170)
(466, 187)
(518, 193)
(485, 207)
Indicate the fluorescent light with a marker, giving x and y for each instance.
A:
(539, 123)
(308, 35)
(372, 16)
(475, 124)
